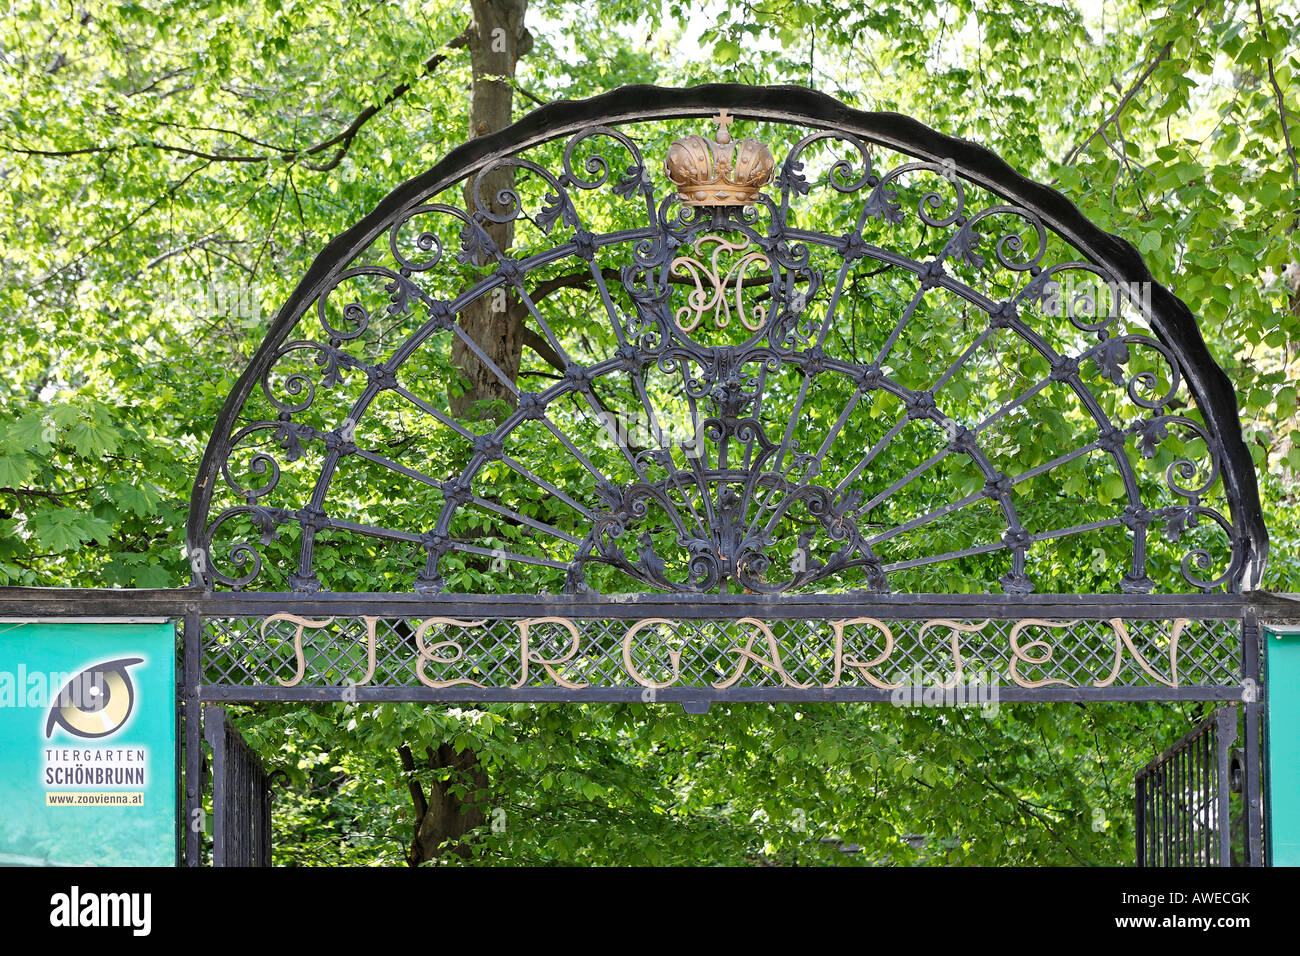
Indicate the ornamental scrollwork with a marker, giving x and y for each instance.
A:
(823, 371)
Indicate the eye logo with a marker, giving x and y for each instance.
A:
(96, 702)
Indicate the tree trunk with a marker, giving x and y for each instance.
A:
(442, 817)
(497, 38)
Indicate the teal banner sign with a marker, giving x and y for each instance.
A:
(1283, 745)
(87, 744)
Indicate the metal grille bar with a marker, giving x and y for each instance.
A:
(1182, 798)
(241, 796)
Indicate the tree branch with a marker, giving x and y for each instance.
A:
(1128, 96)
(417, 792)
(538, 344)
(340, 142)
(1282, 113)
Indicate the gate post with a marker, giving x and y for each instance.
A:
(1252, 787)
(214, 721)
(1140, 820)
(191, 636)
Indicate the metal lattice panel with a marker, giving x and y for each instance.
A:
(293, 651)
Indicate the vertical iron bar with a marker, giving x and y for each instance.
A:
(245, 798)
(1214, 796)
(1207, 773)
(1139, 818)
(1189, 808)
(193, 821)
(246, 792)
(1193, 804)
(251, 822)
(230, 797)
(1153, 801)
(263, 823)
(1179, 810)
(1150, 824)
(246, 814)
(1180, 815)
(1251, 789)
(1164, 816)
(1171, 811)
(1207, 789)
(237, 810)
(257, 805)
(1172, 767)
(1185, 810)
(1202, 800)
(1158, 811)
(1156, 835)
(1227, 719)
(214, 727)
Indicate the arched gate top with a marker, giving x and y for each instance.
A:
(906, 367)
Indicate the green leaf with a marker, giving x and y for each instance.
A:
(14, 470)
(141, 499)
(726, 51)
(29, 433)
(63, 529)
(91, 440)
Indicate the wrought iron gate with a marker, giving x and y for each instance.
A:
(1184, 798)
(820, 413)
(241, 796)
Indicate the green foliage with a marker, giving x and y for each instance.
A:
(170, 170)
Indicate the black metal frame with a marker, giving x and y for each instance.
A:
(194, 607)
(724, 558)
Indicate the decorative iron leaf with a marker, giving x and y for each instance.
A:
(477, 247)
(792, 178)
(557, 208)
(962, 247)
(883, 204)
(635, 178)
(1150, 433)
(1110, 358)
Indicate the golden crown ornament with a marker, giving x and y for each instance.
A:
(718, 172)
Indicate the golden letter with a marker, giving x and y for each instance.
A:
(861, 666)
(526, 654)
(370, 650)
(1019, 653)
(1122, 640)
(746, 654)
(675, 656)
(301, 622)
(428, 654)
(955, 627)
